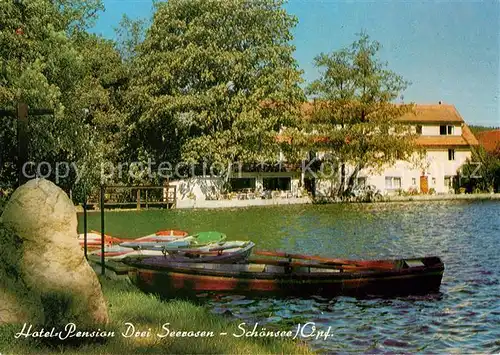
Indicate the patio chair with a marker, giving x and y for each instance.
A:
(242, 196)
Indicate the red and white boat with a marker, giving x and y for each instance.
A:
(163, 236)
(94, 239)
(117, 252)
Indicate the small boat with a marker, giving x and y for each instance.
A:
(195, 241)
(117, 252)
(163, 236)
(327, 277)
(94, 239)
(223, 253)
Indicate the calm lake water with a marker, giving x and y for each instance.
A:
(464, 317)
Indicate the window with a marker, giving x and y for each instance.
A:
(448, 182)
(414, 181)
(419, 129)
(392, 182)
(238, 184)
(361, 181)
(277, 183)
(433, 181)
(446, 130)
(451, 154)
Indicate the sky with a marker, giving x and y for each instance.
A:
(448, 50)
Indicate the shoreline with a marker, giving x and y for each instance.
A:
(228, 204)
(444, 197)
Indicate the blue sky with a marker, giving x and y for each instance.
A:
(448, 50)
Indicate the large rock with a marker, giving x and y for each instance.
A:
(53, 264)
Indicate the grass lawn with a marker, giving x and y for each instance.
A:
(127, 304)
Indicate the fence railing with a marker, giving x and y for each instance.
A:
(137, 197)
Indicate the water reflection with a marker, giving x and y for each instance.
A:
(463, 317)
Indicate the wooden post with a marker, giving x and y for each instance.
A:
(146, 199)
(103, 268)
(138, 199)
(22, 140)
(21, 113)
(174, 203)
(85, 226)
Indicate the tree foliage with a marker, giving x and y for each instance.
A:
(208, 81)
(203, 76)
(353, 116)
(50, 62)
(481, 173)
(130, 34)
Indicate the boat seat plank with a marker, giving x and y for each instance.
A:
(414, 263)
(256, 268)
(316, 270)
(274, 269)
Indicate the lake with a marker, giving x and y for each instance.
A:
(463, 317)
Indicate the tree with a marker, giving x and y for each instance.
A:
(481, 172)
(214, 81)
(49, 61)
(98, 98)
(130, 34)
(353, 117)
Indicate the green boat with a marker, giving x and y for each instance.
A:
(195, 241)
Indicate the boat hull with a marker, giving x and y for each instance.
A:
(188, 281)
(117, 253)
(228, 256)
(197, 240)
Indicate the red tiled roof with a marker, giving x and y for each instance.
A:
(433, 141)
(441, 113)
(490, 140)
(468, 135)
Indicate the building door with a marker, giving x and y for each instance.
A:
(424, 184)
(310, 185)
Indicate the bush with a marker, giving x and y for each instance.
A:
(412, 191)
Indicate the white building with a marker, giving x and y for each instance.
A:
(443, 134)
(446, 140)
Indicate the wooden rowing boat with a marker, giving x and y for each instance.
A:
(224, 253)
(94, 239)
(194, 241)
(285, 277)
(117, 252)
(162, 236)
(220, 252)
